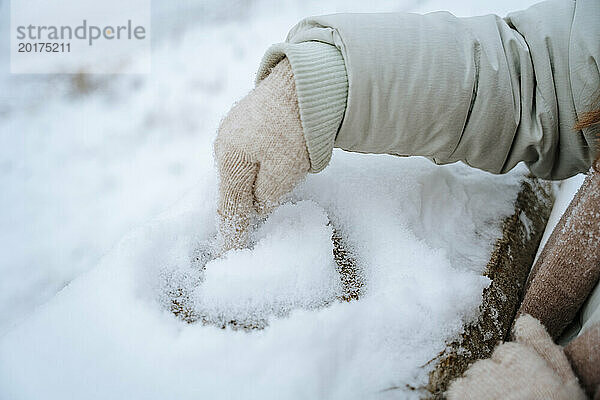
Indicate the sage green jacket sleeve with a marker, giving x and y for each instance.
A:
(487, 91)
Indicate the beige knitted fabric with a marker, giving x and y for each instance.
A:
(260, 153)
(584, 355)
(531, 368)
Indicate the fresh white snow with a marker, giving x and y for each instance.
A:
(84, 314)
(420, 233)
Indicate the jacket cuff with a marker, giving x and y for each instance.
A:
(322, 88)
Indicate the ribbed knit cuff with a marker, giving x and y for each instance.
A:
(322, 89)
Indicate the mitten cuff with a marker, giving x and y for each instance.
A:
(322, 88)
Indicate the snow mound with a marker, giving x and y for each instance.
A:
(420, 235)
(290, 266)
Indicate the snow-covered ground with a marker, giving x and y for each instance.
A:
(84, 160)
(421, 235)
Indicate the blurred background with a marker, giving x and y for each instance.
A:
(85, 158)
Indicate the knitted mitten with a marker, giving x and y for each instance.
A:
(584, 354)
(260, 154)
(532, 368)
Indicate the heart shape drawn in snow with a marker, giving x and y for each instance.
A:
(298, 261)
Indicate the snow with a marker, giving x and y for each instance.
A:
(420, 233)
(85, 160)
(291, 266)
(527, 223)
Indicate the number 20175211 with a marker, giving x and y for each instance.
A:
(41, 47)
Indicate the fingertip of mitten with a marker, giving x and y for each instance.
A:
(527, 326)
(468, 386)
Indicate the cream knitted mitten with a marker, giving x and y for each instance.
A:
(531, 368)
(260, 152)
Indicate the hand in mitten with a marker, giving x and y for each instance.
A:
(531, 368)
(260, 153)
